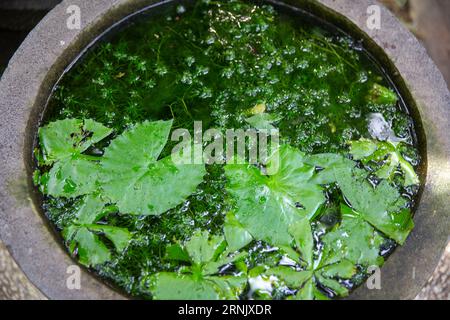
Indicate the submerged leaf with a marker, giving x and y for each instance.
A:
(321, 272)
(64, 138)
(267, 205)
(235, 234)
(83, 234)
(134, 179)
(387, 151)
(90, 249)
(263, 121)
(343, 269)
(307, 291)
(90, 210)
(206, 254)
(355, 240)
(202, 248)
(72, 177)
(328, 163)
(292, 278)
(62, 143)
(382, 95)
(120, 237)
(382, 206)
(301, 231)
(177, 253)
(362, 148)
(172, 286)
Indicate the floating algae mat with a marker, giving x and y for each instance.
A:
(332, 200)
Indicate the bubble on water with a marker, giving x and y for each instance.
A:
(181, 9)
(380, 129)
(261, 285)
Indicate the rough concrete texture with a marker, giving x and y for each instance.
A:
(50, 47)
(13, 283)
(432, 25)
(438, 287)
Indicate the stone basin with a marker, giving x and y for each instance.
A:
(51, 48)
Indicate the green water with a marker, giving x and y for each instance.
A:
(211, 63)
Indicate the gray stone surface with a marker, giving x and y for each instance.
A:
(438, 287)
(51, 47)
(432, 25)
(13, 283)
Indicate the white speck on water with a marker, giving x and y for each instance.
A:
(261, 284)
(380, 129)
